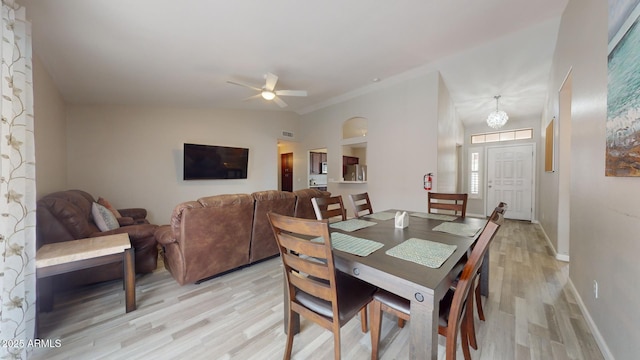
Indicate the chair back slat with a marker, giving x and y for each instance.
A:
(307, 266)
(309, 248)
(456, 203)
(329, 207)
(360, 203)
(312, 287)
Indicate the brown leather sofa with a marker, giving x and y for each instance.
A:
(304, 207)
(207, 236)
(66, 215)
(216, 234)
(263, 242)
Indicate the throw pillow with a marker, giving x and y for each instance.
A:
(104, 219)
(105, 203)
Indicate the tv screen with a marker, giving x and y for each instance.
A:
(214, 162)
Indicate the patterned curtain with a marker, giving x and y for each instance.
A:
(17, 185)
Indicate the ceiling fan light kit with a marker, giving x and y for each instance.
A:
(268, 91)
(497, 118)
(268, 95)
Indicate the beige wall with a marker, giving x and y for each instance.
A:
(450, 135)
(50, 133)
(133, 155)
(402, 140)
(604, 211)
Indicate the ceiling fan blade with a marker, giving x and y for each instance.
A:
(252, 97)
(271, 81)
(280, 102)
(244, 85)
(291, 92)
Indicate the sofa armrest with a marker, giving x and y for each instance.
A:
(126, 221)
(135, 213)
(164, 235)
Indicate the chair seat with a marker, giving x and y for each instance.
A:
(403, 305)
(353, 294)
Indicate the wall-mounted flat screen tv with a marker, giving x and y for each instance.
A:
(203, 162)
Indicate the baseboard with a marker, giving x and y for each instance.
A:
(560, 257)
(606, 353)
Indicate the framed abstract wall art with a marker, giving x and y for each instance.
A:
(623, 90)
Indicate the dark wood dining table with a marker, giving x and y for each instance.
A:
(422, 285)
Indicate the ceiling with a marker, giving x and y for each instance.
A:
(182, 53)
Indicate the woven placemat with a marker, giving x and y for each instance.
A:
(383, 216)
(351, 244)
(458, 229)
(352, 224)
(434, 216)
(424, 252)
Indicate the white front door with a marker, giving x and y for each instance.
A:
(510, 179)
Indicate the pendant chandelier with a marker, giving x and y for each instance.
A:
(497, 118)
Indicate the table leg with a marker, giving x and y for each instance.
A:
(130, 279)
(423, 343)
(44, 293)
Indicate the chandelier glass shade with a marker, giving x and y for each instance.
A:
(497, 118)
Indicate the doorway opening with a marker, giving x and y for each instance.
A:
(318, 169)
(285, 165)
(564, 168)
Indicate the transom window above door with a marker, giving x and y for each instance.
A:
(507, 135)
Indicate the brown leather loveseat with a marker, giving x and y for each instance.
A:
(215, 234)
(66, 215)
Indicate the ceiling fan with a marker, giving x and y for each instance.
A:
(268, 91)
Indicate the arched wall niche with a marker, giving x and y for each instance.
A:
(354, 127)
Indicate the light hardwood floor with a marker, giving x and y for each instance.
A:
(531, 314)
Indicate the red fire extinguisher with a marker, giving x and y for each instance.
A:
(428, 180)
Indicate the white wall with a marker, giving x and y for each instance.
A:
(548, 184)
(604, 244)
(132, 156)
(49, 133)
(402, 140)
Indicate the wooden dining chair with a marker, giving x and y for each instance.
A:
(454, 307)
(315, 289)
(500, 209)
(329, 207)
(450, 203)
(360, 203)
